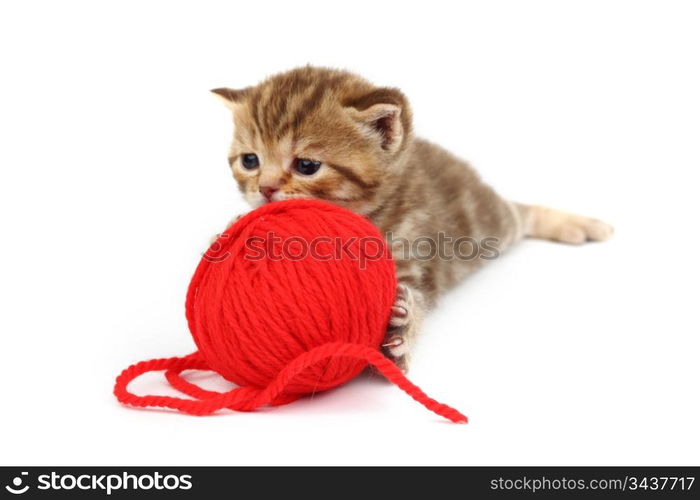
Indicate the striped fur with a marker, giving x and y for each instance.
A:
(373, 165)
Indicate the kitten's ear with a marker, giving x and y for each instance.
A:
(385, 112)
(228, 96)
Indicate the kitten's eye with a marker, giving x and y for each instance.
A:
(250, 161)
(307, 167)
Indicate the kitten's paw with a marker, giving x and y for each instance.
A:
(551, 224)
(400, 315)
(397, 350)
(577, 229)
(402, 325)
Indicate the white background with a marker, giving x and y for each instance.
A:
(113, 175)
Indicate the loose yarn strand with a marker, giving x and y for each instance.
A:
(249, 399)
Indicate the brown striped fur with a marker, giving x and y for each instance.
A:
(373, 165)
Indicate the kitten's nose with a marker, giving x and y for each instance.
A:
(268, 191)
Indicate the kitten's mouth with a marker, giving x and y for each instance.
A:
(278, 196)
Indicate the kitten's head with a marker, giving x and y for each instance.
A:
(317, 133)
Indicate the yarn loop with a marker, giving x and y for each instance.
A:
(292, 299)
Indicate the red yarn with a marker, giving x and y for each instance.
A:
(293, 299)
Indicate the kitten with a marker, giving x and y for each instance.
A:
(331, 135)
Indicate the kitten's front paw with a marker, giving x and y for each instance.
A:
(402, 328)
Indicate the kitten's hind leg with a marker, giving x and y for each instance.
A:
(406, 318)
(550, 224)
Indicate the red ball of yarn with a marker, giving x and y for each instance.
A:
(292, 299)
(275, 289)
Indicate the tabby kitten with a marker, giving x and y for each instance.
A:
(331, 135)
